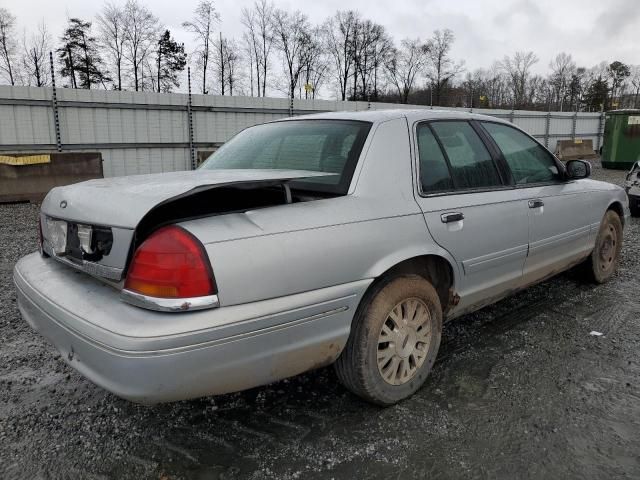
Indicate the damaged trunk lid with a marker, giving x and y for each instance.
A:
(93, 225)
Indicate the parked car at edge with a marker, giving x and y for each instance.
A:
(632, 187)
(344, 238)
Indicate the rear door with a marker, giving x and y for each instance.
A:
(559, 210)
(470, 210)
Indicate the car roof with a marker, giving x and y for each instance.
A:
(412, 115)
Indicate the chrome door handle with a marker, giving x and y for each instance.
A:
(537, 203)
(451, 217)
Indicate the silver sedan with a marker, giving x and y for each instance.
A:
(345, 238)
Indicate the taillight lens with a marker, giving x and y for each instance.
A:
(171, 263)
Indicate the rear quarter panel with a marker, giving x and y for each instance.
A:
(294, 248)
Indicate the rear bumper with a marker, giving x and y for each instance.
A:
(151, 357)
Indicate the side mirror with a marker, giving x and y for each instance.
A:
(578, 169)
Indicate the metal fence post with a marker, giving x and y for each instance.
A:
(547, 128)
(573, 125)
(192, 152)
(600, 132)
(54, 104)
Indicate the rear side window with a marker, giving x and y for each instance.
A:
(434, 171)
(528, 161)
(469, 160)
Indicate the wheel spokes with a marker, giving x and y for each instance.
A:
(404, 341)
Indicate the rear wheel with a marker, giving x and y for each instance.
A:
(394, 340)
(603, 261)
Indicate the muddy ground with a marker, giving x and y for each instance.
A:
(521, 390)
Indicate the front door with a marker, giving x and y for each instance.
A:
(558, 209)
(470, 211)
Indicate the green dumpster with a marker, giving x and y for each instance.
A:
(621, 148)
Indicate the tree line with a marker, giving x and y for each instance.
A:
(347, 56)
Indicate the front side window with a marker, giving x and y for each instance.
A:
(331, 146)
(469, 160)
(528, 161)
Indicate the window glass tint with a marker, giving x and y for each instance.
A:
(471, 163)
(331, 146)
(434, 172)
(528, 161)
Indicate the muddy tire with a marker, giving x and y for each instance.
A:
(394, 340)
(603, 261)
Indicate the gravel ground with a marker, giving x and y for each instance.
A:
(521, 389)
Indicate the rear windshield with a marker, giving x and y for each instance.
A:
(331, 146)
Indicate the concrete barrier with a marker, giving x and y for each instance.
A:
(26, 181)
(578, 148)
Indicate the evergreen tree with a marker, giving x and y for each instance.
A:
(170, 61)
(618, 72)
(79, 56)
(597, 95)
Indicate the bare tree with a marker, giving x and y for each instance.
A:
(201, 25)
(232, 58)
(260, 35)
(442, 69)
(370, 47)
(35, 57)
(339, 32)
(537, 91)
(380, 51)
(252, 41)
(293, 39)
(141, 29)
(8, 45)
(249, 48)
(562, 69)
(518, 69)
(113, 38)
(493, 86)
(473, 86)
(226, 58)
(404, 66)
(635, 82)
(316, 64)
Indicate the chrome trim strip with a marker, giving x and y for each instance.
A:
(92, 268)
(169, 304)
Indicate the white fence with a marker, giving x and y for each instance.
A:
(140, 132)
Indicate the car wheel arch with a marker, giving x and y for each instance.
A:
(617, 207)
(434, 268)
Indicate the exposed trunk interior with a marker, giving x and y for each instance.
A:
(220, 201)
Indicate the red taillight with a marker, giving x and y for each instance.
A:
(171, 263)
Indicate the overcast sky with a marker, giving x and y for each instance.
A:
(486, 30)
